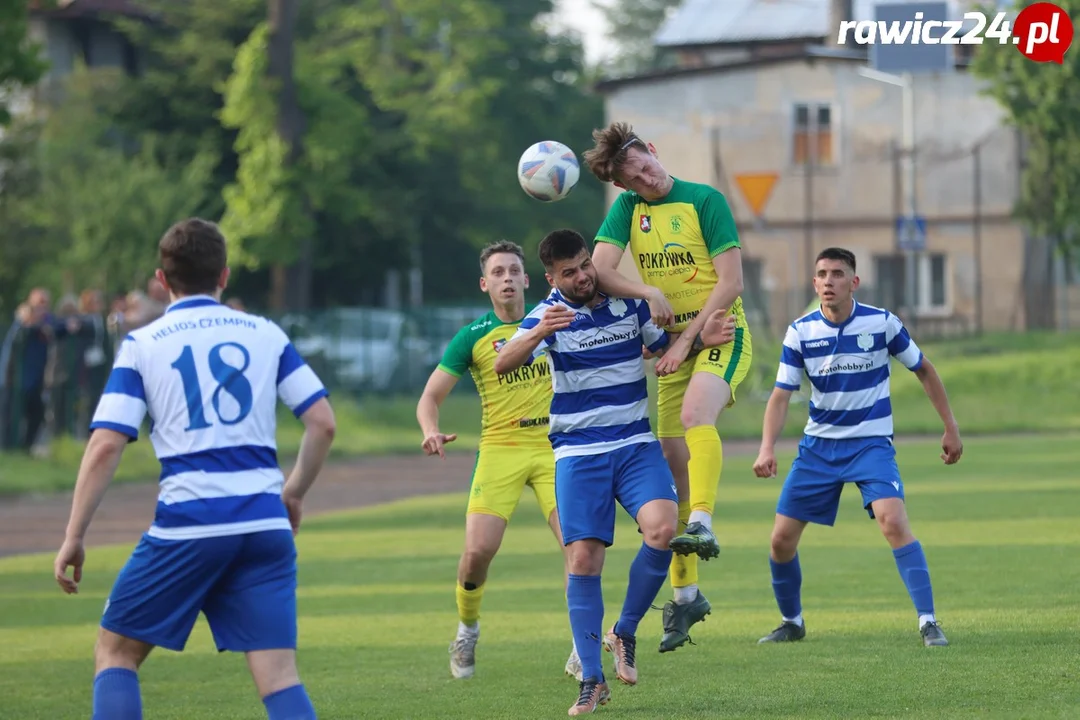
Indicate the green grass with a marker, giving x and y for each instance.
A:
(1005, 383)
(1001, 530)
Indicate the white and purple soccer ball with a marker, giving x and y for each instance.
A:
(548, 171)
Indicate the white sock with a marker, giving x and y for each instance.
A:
(685, 595)
(700, 516)
(463, 629)
(797, 619)
(923, 619)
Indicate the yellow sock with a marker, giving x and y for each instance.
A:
(468, 604)
(683, 567)
(706, 463)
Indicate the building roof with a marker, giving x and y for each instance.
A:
(809, 53)
(733, 22)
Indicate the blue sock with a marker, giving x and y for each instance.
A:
(585, 600)
(786, 586)
(289, 704)
(647, 575)
(911, 562)
(116, 695)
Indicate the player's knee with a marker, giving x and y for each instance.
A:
(114, 651)
(895, 528)
(477, 559)
(783, 544)
(273, 670)
(585, 557)
(659, 535)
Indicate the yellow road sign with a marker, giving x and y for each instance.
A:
(756, 188)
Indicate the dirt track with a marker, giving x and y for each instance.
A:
(36, 523)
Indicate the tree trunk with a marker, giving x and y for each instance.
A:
(291, 286)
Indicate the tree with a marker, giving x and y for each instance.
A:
(1042, 100)
(631, 26)
(21, 63)
(97, 204)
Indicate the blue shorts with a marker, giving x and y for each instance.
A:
(587, 486)
(822, 467)
(244, 584)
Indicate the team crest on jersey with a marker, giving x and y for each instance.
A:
(497, 344)
(865, 341)
(617, 307)
(676, 224)
(645, 223)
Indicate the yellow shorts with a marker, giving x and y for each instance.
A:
(730, 362)
(501, 474)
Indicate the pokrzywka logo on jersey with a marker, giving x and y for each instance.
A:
(674, 260)
(1041, 32)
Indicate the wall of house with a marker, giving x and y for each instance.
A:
(711, 127)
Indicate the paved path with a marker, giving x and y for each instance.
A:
(36, 523)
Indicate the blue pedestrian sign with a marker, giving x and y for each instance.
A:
(911, 233)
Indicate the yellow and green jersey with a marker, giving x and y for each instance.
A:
(515, 404)
(674, 241)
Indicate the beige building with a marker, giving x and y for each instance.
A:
(788, 107)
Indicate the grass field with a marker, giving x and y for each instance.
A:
(1006, 383)
(1001, 529)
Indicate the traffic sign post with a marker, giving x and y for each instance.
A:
(911, 233)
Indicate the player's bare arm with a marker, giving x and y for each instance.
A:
(99, 463)
(439, 385)
(775, 414)
(606, 258)
(951, 446)
(729, 287)
(319, 429)
(719, 330)
(517, 352)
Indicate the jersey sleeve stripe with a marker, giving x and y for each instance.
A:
(786, 386)
(131, 432)
(723, 248)
(298, 388)
(289, 362)
(306, 405)
(448, 370)
(119, 412)
(125, 381)
(219, 511)
(220, 460)
(791, 357)
(613, 241)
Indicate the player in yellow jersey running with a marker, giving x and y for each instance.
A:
(514, 446)
(683, 240)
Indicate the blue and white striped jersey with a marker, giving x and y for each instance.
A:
(600, 401)
(848, 367)
(209, 377)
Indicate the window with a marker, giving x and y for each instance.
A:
(931, 283)
(813, 134)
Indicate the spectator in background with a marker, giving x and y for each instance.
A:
(39, 330)
(145, 308)
(91, 359)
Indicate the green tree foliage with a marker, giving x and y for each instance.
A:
(21, 62)
(95, 207)
(631, 26)
(1043, 101)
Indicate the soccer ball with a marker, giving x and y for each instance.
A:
(548, 171)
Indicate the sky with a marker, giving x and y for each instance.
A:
(580, 15)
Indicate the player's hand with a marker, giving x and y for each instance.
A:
(433, 444)
(295, 507)
(719, 328)
(71, 555)
(765, 465)
(951, 446)
(557, 317)
(662, 313)
(673, 357)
